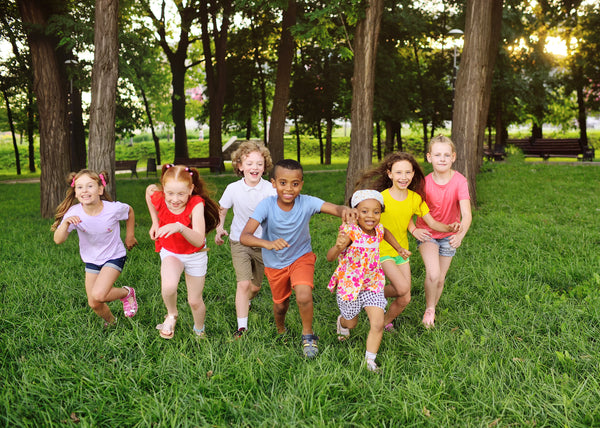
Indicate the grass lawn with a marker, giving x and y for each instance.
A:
(515, 343)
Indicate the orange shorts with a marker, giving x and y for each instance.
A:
(301, 272)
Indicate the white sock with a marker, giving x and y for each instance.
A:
(243, 323)
(370, 355)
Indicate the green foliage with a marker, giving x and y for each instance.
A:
(515, 342)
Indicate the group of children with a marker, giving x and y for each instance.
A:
(270, 236)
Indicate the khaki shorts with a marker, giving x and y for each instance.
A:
(282, 281)
(247, 262)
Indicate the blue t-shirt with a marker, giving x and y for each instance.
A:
(290, 225)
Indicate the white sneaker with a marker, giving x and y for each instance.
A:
(371, 365)
(342, 332)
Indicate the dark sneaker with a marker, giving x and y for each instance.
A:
(239, 333)
(310, 345)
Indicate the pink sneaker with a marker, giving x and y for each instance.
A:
(429, 318)
(389, 327)
(130, 305)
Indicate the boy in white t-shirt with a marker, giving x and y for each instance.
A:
(250, 161)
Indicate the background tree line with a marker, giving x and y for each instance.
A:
(246, 66)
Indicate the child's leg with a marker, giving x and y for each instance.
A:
(170, 272)
(430, 253)
(305, 306)
(279, 311)
(376, 316)
(399, 276)
(195, 287)
(99, 289)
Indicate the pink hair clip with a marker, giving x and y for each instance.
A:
(170, 165)
(187, 168)
(102, 179)
(73, 182)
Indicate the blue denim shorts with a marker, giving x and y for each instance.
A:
(446, 249)
(114, 263)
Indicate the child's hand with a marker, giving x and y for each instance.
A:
(454, 227)
(74, 220)
(404, 253)
(130, 242)
(169, 229)
(219, 236)
(350, 215)
(278, 244)
(153, 231)
(342, 240)
(455, 240)
(422, 235)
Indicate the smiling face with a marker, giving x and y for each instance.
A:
(288, 183)
(87, 190)
(369, 214)
(253, 168)
(401, 174)
(441, 156)
(177, 194)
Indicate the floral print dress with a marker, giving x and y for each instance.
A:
(359, 267)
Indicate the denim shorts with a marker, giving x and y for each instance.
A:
(114, 263)
(446, 249)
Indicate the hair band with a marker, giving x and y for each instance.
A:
(73, 182)
(362, 195)
(102, 179)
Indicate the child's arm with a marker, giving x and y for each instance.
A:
(440, 227)
(348, 215)
(465, 223)
(391, 239)
(152, 210)
(221, 226)
(422, 235)
(130, 240)
(248, 239)
(62, 232)
(341, 243)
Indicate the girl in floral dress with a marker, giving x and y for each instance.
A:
(359, 278)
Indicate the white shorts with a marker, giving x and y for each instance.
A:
(193, 264)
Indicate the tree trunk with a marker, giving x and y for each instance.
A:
(298, 142)
(581, 115)
(30, 128)
(49, 84)
(12, 132)
(389, 136)
(321, 148)
(282, 83)
(363, 86)
(473, 85)
(178, 102)
(105, 73)
(328, 141)
(151, 123)
(378, 139)
(77, 132)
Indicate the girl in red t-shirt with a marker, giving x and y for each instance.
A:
(182, 214)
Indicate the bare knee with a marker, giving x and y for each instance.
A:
(243, 286)
(196, 303)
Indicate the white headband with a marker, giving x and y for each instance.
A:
(361, 195)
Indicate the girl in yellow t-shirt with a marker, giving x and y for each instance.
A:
(400, 180)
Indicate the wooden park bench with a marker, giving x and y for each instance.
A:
(496, 153)
(555, 147)
(124, 165)
(215, 163)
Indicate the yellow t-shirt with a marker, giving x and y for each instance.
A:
(396, 217)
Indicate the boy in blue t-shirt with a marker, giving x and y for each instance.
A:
(286, 248)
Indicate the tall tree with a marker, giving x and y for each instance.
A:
(104, 89)
(473, 85)
(282, 82)
(50, 89)
(363, 88)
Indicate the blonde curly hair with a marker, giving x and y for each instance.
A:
(244, 150)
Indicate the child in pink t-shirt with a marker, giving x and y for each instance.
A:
(447, 196)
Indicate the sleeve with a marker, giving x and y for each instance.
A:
(70, 212)
(156, 199)
(261, 210)
(350, 230)
(225, 200)
(420, 207)
(121, 211)
(315, 204)
(463, 190)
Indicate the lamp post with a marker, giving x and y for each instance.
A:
(455, 33)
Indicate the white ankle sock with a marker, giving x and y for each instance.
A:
(370, 355)
(242, 323)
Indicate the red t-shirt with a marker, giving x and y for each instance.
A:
(175, 243)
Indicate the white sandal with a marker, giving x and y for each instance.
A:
(167, 328)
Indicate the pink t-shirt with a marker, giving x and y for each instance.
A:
(99, 235)
(443, 201)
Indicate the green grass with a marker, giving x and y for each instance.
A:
(515, 343)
